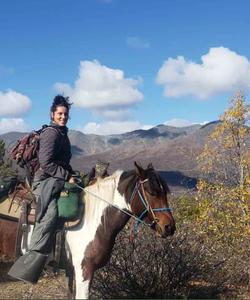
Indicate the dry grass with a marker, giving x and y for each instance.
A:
(48, 287)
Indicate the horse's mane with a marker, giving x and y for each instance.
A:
(100, 195)
(157, 183)
(127, 182)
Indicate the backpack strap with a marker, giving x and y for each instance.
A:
(44, 127)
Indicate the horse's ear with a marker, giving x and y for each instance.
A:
(139, 171)
(150, 166)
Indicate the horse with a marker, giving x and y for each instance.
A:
(9, 244)
(140, 194)
(8, 230)
(17, 216)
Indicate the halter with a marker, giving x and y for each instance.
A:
(147, 206)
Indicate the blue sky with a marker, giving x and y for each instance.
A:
(126, 64)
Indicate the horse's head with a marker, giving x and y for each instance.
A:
(146, 192)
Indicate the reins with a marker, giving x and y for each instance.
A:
(130, 214)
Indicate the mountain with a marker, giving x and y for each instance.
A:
(172, 150)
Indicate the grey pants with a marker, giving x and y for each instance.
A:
(44, 231)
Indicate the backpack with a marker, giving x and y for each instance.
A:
(25, 152)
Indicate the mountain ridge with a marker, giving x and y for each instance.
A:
(172, 150)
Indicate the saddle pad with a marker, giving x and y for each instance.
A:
(5, 204)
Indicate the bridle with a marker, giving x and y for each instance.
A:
(147, 207)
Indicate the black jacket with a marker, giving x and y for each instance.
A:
(54, 153)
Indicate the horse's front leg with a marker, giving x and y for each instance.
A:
(84, 272)
(94, 257)
(79, 278)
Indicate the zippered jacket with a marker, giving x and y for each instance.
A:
(54, 153)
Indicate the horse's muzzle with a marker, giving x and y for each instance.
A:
(169, 229)
(165, 231)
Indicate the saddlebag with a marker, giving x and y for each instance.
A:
(69, 201)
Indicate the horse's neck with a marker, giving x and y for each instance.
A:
(112, 222)
(101, 197)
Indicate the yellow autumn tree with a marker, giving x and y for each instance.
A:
(224, 188)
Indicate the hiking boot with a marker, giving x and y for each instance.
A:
(28, 267)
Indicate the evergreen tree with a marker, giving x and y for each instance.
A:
(5, 166)
(2, 152)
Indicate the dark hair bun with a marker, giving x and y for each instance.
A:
(60, 100)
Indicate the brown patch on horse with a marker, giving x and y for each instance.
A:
(98, 251)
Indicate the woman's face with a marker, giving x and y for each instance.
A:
(60, 116)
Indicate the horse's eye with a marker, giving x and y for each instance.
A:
(150, 191)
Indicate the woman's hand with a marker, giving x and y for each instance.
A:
(72, 180)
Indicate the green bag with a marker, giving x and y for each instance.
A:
(69, 201)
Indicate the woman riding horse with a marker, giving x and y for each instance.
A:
(54, 159)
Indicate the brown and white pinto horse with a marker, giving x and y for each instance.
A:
(109, 204)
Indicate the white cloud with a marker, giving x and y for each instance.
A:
(63, 88)
(179, 123)
(116, 114)
(100, 88)
(13, 103)
(107, 128)
(13, 124)
(221, 70)
(146, 127)
(136, 42)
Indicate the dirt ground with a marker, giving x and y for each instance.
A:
(48, 287)
(55, 287)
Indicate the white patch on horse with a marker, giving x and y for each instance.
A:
(82, 290)
(94, 207)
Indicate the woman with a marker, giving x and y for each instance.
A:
(54, 159)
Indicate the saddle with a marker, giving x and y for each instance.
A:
(19, 203)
